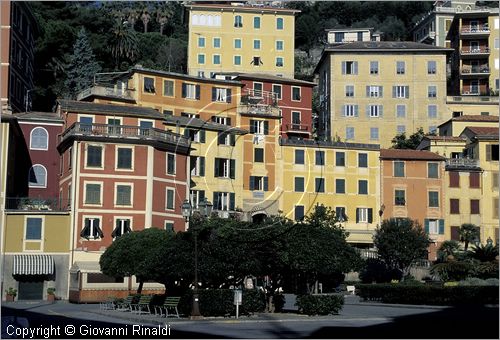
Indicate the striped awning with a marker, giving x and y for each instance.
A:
(33, 265)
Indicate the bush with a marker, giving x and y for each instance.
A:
(486, 270)
(254, 301)
(429, 295)
(376, 270)
(452, 271)
(320, 304)
(474, 281)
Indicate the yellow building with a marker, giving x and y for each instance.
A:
(472, 105)
(454, 126)
(372, 91)
(343, 176)
(240, 38)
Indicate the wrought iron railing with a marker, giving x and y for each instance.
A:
(37, 204)
(475, 29)
(475, 69)
(259, 102)
(462, 162)
(297, 127)
(475, 50)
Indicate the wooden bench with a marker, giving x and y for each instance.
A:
(109, 304)
(143, 304)
(171, 302)
(126, 304)
(351, 289)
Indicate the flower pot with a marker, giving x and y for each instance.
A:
(10, 298)
(51, 297)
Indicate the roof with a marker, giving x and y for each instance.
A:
(243, 8)
(475, 118)
(445, 138)
(138, 69)
(328, 144)
(276, 79)
(389, 46)
(196, 123)
(483, 130)
(410, 154)
(39, 116)
(122, 110)
(348, 29)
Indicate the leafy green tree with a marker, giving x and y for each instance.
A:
(138, 253)
(400, 242)
(468, 233)
(448, 250)
(401, 142)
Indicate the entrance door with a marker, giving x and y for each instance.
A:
(31, 290)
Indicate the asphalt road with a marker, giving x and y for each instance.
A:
(356, 320)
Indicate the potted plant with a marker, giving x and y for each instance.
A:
(11, 294)
(51, 294)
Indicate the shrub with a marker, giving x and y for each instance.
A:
(376, 270)
(491, 282)
(452, 271)
(254, 301)
(486, 270)
(320, 304)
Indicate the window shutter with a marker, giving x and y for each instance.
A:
(216, 201)
(266, 184)
(220, 138)
(97, 230)
(488, 152)
(355, 67)
(228, 120)
(86, 229)
(202, 136)
(214, 94)
(184, 90)
(368, 111)
(343, 111)
(356, 110)
(426, 224)
(186, 133)
(370, 215)
(252, 126)
(266, 127)
(407, 92)
(232, 139)
(197, 92)
(357, 215)
(441, 227)
(368, 91)
(202, 166)
(228, 97)
(344, 67)
(216, 167)
(252, 183)
(381, 91)
(232, 168)
(201, 195)
(213, 118)
(394, 92)
(231, 201)
(381, 110)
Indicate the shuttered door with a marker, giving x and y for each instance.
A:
(31, 290)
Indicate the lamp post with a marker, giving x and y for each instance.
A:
(205, 209)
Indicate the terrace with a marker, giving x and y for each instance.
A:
(259, 103)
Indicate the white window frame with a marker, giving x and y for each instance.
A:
(173, 88)
(166, 163)
(374, 91)
(377, 69)
(204, 42)
(190, 91)
(374, 111)
(349, 93)
(103, 153)
(144, 85)
(117, 147)
(220, 42)
(91, 217)
(400, 91)
(398, 68)
(429, 111)
(397, 114)
(432, 95)
(167, 189)
(122, 218)
(349, 110)
(213, 59)
(196, 170)
(300, 93)
(282, 45)
(194, 198)
(234, 60)
(234, 43)
(220, 95)
(39, 128)
(281, 91)
(101, 184)
(44, 185)
(42, 231)
(372, 129)
(282, 61)
(169, 222)
(129, 184)
(363, 215)
(258, 183)
(258, 127)
(259, 43)
(433, 226)
(225, 198)
(198, 58)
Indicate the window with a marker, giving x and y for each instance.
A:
(168, 88)
(257, 89)
(258, 155)
(400, 67)
(216, 42)
(433, 199)
(474, 207)
(39, 139)
(362, 160)
(92, 193)
(237, 43)
(495, 210)
(37, 177)
(454, 206)
(124, 158)
(299, 156)
(299, 212)
(339, 36)
(340, 214)
(349, 132)
(400, 91)
(399, 197)
(238, 21)
(221, 95)
(114, 126)
(374, 111)
(237, 60)
(349, 67)
(197, 166)
(216, 59)
(256, 44)
(224, 168)
(349, 91)
(295, 93)
(320, 158)
(363, 187)
(279, 45)
(122, 227)
(401, 111)
(256, 61)
(279, 61)
(434, 227)
(123, 195)
(373, 67)
(432, 91)
(319, 184)
(277, 91)
(86, 123)
(170, 163)
(169, 199)
(494, 180)
(168, 112)
(259, 183)
(399, 169)
(492, 152)
(339, 158)
(431, 67)
(226, 138)
(201, 42)
(149, 85)
(196, 197)
(454, 179)
(400, 129)
(350, 110)
(432, 170)
(279, 23)
(340, 186)
(33, 228)
(91, 229)
(374, 133)
(296, 120)
(201, 59)
(299, 184)
(256, 22)
(259, 127)
(195, 136)
(364, 215)
(374, 91)
(190, 91)
(432, 130)
(223, 201)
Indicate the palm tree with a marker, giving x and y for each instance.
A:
(145, 17)
(163, 14)
(484, 253)
(124, 42)
(468, 233)
(448, 250)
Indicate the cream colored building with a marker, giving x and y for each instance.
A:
(472, 105)
(240, 38)
(372, 91)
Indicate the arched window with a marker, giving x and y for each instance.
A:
(39, 139)
(37, 176)
(195, 19)
(203, 20)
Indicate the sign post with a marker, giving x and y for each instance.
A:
(238, 297)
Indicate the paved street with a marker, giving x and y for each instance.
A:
(356, 320)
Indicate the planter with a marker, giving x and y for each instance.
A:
(51, 297)
(10, 298)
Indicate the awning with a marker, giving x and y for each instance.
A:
(33, 265)
(85, 267)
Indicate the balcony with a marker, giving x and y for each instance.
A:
(475, 71)
(476, 92)
(462, 163)
(491, 98)
(297, 128)
(259, 103)
(474, 52)
(119, 132)
(102, 91)
(28, 204)
(475, 31)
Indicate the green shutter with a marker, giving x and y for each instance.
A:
(232, 168)
(441, 226)
(184, 90)
(266, 184)
(228, 96)
(266, 127)
(216, 167)
(214, 94)
(202, 136)
(232, 139)
(357, 215)
(426, 225)
(197, 92)
(370, 215)
(252, 183)
(231, 201)
(202, 166)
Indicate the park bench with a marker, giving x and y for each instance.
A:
(142, 305)
(109, 304)
(126, 304)
(351, 290)
(171, 303)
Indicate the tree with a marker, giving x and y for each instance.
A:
(138, 253)
(448, 250)
(124, 43)
(484, 253)
(401, 142)
(400, 242)
(468, 233)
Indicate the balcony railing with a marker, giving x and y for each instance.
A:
(36, 204)
(475, 50)
(475, 70)
(462, 163)
(475, 29)
(474, 92)
(259, 102)
(491, 97)
(297, 128)
(124, 131)
(105, 92)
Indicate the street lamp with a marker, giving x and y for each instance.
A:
(205, 209)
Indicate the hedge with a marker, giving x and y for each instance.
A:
(428, 295)
(320, 304)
